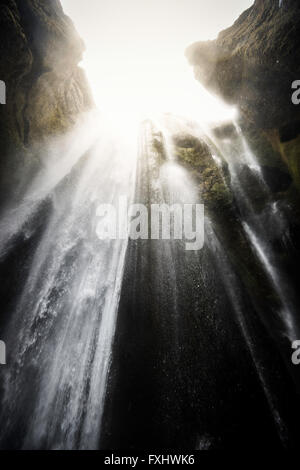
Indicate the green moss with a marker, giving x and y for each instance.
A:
(196, 156)
(217, 196)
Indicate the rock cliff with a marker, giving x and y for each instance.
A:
(253, 64)
(46, 89)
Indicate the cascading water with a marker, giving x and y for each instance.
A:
(263, 226)
(234, 291)
(260, 228)
(171, 310)
(61, 331)
(128, 342)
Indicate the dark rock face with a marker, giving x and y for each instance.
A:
(253, 64)
(181, 374)
(214, 185)
(46, 90)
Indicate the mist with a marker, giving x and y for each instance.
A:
(135, 53)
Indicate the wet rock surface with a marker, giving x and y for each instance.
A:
(175, 378)
(201, 355)
(253, 64)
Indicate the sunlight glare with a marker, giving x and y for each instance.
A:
(135, 58)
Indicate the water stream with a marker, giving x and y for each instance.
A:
(61, 328)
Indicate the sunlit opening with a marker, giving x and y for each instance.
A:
(135, 54)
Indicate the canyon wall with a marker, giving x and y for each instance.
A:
(252, 65)
(46, 89)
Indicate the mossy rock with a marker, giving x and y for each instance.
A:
(196, 156)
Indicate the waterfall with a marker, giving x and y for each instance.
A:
(261, 225)
(60, 334)
(117, 342)
(238, 156)
(260, 364)
(286, 314)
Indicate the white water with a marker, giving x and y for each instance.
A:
(238, 154)
(230, 283)
(236, 158)
(61, 333)
(259, 228)
(62, 330)
(286, 313)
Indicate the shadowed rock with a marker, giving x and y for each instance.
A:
(254, 62)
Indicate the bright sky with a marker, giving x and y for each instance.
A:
(135, 52)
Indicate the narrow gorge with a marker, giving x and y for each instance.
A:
(140, 343)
